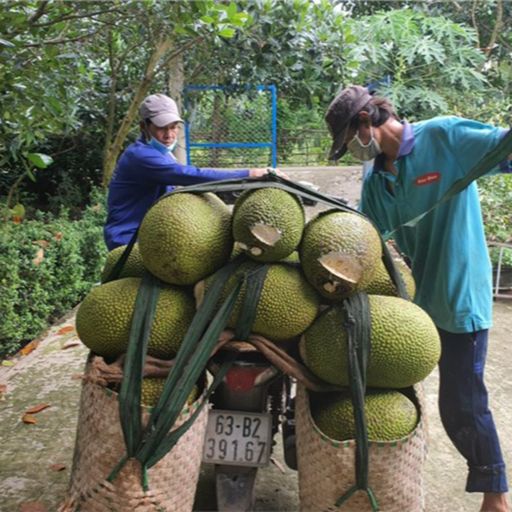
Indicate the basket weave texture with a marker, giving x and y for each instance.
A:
(327, 467)
(100, 446)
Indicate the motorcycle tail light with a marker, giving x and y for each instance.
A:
(244, 378)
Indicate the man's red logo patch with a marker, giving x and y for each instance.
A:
(427, 179)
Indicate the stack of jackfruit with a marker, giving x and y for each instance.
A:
(312, 267)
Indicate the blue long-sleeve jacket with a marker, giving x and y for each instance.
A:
(142, 175)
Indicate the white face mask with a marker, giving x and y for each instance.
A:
(162, 147)
(362, 151)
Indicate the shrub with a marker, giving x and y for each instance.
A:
(47, 265)
(496, 200)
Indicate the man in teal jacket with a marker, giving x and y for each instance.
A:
(414, 165)
(147, 169)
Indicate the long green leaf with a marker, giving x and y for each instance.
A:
(130, 393)
(173, 437)
(254, 282)
(187, 374)
(358, 327)
(193, 335)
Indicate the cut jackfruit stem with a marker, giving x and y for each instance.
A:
(199, 291)
(266, 234)
(343, 266)
(256, 251)
(330, 286)
(241, 245)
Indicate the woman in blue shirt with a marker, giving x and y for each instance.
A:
(147, 169)
(413, 166)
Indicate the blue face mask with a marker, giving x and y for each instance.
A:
(162, 147)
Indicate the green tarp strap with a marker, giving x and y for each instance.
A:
(489, 161)
(270, 180)
(150, 444)
(116, 269)
(154, 446)
(356, 322)
(393, 272)
(130, 393)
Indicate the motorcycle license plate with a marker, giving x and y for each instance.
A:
(238, 438)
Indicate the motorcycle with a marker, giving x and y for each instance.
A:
(250, 406)
(254, 402)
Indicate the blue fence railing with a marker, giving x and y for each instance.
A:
(227, 126)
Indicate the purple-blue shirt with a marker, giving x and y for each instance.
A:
(142, 175)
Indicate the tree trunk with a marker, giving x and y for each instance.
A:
(176, 84)
(114, 148)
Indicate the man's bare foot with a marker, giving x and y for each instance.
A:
(495, 502)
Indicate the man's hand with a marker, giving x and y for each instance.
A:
(259, 172)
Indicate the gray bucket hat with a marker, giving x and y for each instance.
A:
(345, 106)
(160, 110)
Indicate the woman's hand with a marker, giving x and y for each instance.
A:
(263, 171)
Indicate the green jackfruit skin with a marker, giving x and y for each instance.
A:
(405, 345)
(381, 283)
(390, 416)
(133, 266)
(345, 232)
(273, 207)
(186, 237)
(103, 318)
(152, 388)
(288, 304)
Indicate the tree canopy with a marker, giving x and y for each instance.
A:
(74, 72)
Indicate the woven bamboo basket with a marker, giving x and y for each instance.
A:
(327, 467)
(99, 447)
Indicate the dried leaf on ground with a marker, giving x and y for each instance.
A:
(29, 419)
(37, 408)
(29, 347)
(3, 389)
(57, 467)
(70, 344)
(33, 506)
(65, 330)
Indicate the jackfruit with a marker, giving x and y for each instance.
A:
(152, 388)
(405, 345)
(288, 303)
(103, 319)
(186, 237)
(339, 253)
(381, 283)
(133, 266)
(390, 415)
(268, 223)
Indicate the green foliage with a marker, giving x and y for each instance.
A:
(430, 60)
(296, 45)
(38, 98)
(496, 202)
(46, 267)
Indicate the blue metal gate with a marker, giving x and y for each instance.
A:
(228, 127)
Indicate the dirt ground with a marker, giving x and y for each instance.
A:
(35, 460)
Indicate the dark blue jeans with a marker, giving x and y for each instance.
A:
(464, 409)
